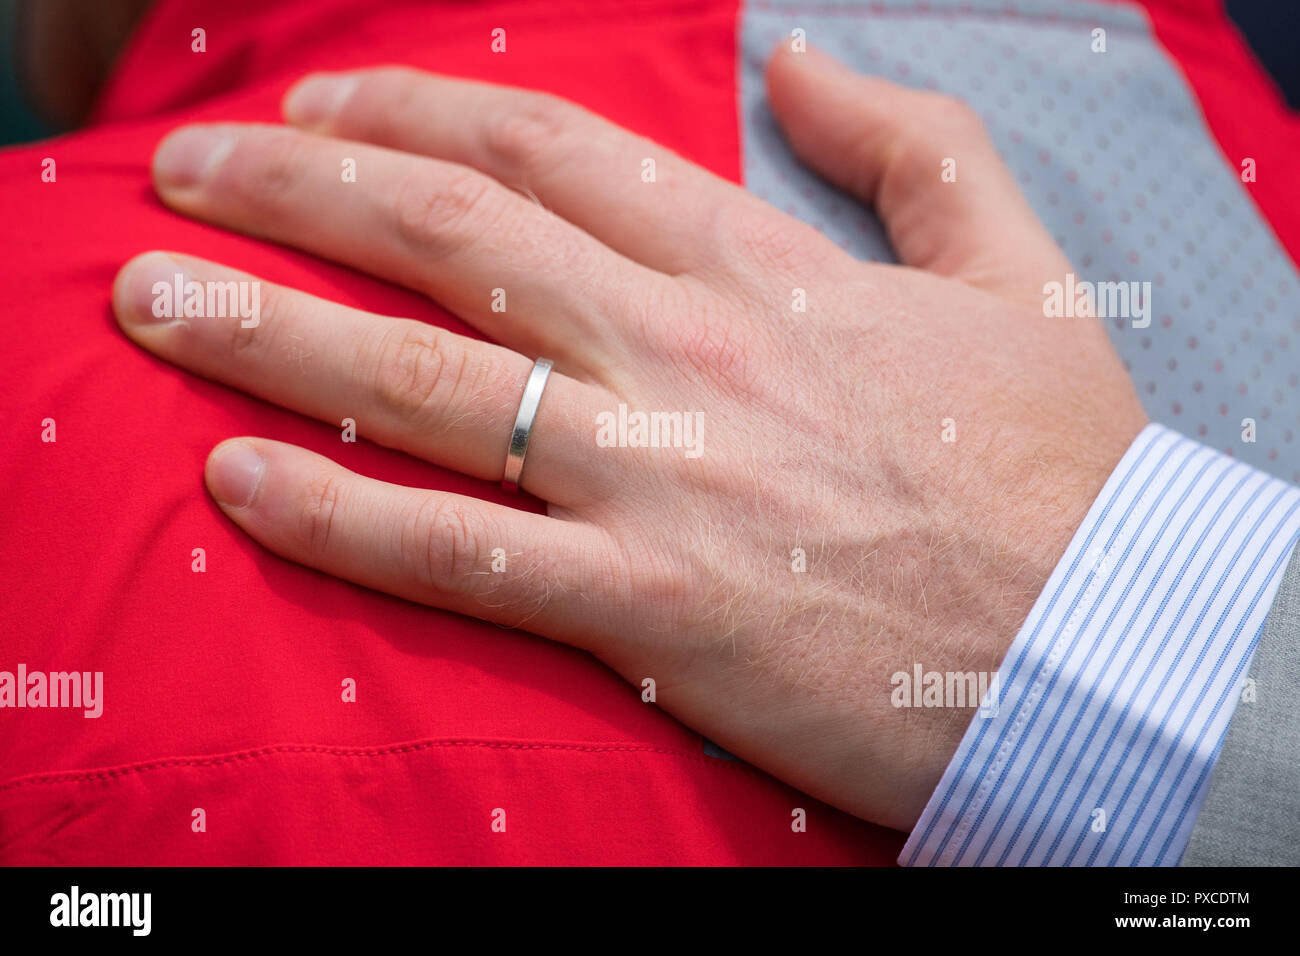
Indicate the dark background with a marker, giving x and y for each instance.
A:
(1272, 28)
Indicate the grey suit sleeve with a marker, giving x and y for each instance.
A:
(1251, 815)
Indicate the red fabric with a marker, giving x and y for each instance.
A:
(223, 689)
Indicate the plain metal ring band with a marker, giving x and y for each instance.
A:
(524, 423)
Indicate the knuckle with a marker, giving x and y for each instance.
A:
(896, 158)
(273, 308)
(403, 85)
(398, 91)
(649, 576)
(775, 245)
(268, 181)
(419, 371)
(320, 505)
(715, 348)
(444, 544)
(443, 214)
(944, 116)
(516, 137)
(647, 313)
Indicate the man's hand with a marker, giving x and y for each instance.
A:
(821, 528)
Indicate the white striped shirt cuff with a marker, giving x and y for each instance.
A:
(1117, 693)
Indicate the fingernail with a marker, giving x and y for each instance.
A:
(234, 471)
(318, 98)
(191, 154)
(150, 289)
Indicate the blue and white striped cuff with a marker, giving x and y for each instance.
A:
(1117, 693)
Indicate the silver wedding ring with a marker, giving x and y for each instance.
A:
(524, 423)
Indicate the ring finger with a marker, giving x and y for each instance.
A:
(443, 397)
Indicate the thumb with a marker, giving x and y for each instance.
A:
(891, 146)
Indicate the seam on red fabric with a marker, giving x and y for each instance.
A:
(107, 773)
